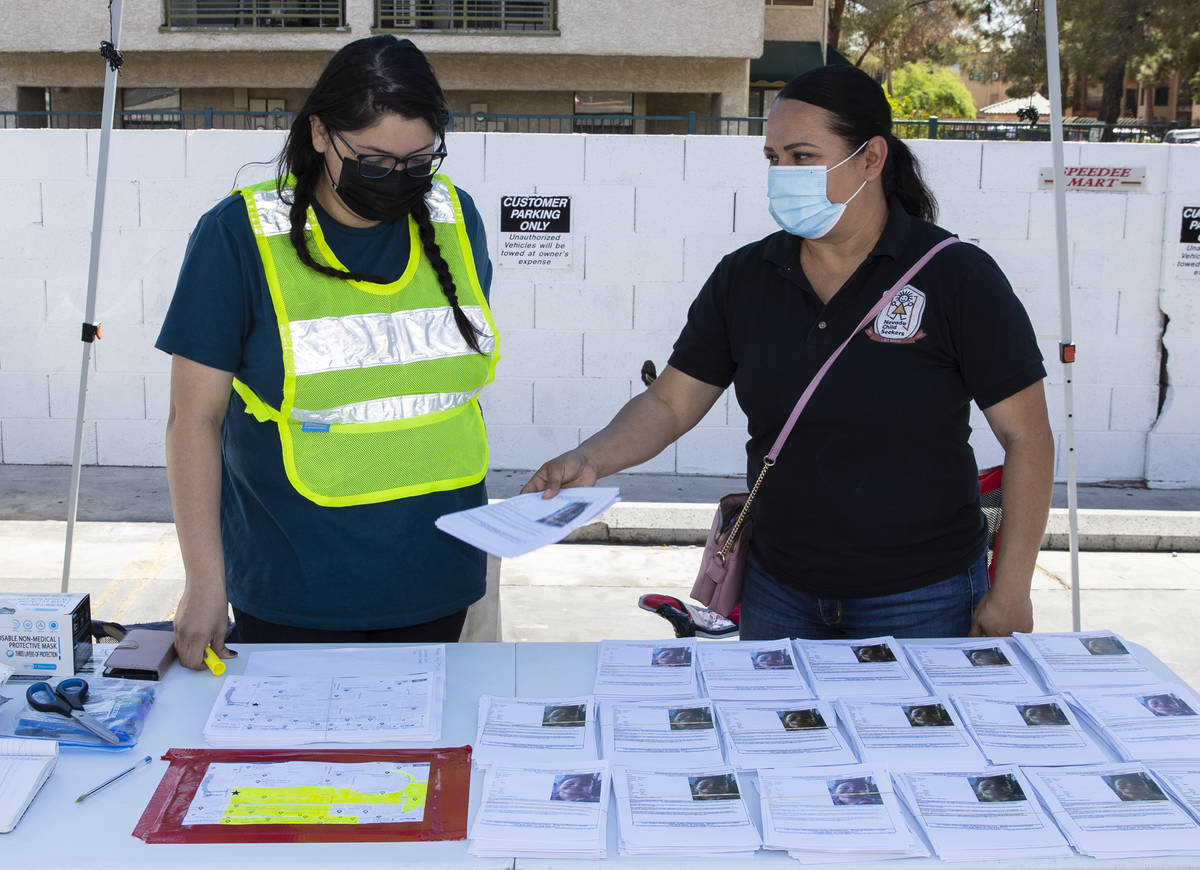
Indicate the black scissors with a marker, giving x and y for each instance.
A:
(67, 699)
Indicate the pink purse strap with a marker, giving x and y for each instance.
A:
(769, 459)
(884, 300)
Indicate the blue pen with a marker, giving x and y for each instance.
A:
(113, 779)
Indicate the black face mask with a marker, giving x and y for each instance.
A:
(379, 199)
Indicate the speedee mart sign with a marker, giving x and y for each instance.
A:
(1108, 179)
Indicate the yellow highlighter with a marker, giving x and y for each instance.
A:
(213, 662)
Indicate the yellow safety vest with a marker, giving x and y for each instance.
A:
(379, 386)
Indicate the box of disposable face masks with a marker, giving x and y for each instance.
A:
(45, 634)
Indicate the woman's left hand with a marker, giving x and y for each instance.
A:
(999, 616)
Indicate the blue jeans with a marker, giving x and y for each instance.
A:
(771, 611)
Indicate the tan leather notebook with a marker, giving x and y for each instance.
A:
(143, 654)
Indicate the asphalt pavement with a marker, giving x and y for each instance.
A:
(1139, 565)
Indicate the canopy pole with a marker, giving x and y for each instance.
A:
(1066, 347)
(91, 330)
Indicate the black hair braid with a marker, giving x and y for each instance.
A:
(301, 197)
(470, 333)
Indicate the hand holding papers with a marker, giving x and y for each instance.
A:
(837, 813)
(514, 731)
(542, 813)
(523, 523)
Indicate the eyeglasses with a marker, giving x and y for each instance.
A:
(378, 165)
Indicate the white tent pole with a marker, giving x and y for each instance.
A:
(1066, 347)
(109, 50)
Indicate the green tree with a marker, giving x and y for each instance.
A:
(885, 34)
(1099, 40)
(920, 90)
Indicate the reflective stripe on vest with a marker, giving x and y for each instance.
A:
(359, 341)
(275, 215)
(380, 387)
(383, 410)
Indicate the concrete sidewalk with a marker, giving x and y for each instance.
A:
(127, 556)
(586, 592)
(655, 508)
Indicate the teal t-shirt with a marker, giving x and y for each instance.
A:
(288, 560)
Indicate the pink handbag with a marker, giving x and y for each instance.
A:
(718, 584)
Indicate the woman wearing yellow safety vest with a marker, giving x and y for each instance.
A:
(330, 332)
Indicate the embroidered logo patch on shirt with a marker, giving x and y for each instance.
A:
(900, 321)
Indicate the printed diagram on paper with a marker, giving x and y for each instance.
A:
(286, 711)
(310, 793)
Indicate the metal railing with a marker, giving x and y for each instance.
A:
(164, 119)
(1126, 130)
(486, 15)
(689, 124)
(250, 14)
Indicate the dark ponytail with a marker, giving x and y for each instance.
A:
(860, 112)
(363, 81)
(902, 179)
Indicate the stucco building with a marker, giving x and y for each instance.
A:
(493, 57)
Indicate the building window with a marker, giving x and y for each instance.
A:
(1162, 96)
(1131, 100)
(269, 113)
(490, 15)
(150, 109)
(603, 112)
(761, 100)
(245, 14)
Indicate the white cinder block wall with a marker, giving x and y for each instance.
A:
(651, 216)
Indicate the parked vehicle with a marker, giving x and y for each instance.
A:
(1187, 135)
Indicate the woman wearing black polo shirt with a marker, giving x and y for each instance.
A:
(869, 523)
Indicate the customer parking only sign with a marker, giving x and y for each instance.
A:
(1188, 266)
(535, 231)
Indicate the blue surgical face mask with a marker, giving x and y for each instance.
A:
(798, 198)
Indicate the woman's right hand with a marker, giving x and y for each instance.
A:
(201, 619)
(572, 468)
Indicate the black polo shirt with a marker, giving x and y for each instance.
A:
(876, 490)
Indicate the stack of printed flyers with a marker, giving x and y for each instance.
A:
(689, 812)
(542, 812)
(1070, 660)
(841, 813)
(981, 815)
(292, 698)
(1117, 811)
(544, 793)
(1158, 721)
(646, 669)
(849, 751)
